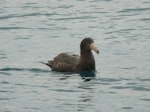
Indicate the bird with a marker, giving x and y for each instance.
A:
(65, 62)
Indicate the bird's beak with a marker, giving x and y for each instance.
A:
(94, 48)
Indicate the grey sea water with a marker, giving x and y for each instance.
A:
(32, 31)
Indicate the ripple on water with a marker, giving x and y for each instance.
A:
(22, 38)
(4, 82)
(65, 90)
(136, 9)
(137, 88)
(5, 73)
(108, 80)
(145, 100)
(126, 108)
(37, 70)
(13, 28)
(140, 88)
(26, 15)
(147, 80)
(5, 99)
(4, 91)
(3, 56)
(145, 19)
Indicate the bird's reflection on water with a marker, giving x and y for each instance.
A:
(88, 75)
(86, 97)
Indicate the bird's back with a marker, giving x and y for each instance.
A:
(64, 62)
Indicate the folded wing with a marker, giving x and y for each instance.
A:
(64, 62)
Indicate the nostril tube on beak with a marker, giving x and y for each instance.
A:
(94, 48)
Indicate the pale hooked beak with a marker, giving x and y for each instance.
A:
(94, 48)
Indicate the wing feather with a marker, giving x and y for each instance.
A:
(65, 62)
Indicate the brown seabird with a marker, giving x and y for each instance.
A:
(64, 62)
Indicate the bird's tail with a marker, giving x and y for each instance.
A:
(49, 63)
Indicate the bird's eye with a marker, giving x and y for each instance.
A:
(88, 43)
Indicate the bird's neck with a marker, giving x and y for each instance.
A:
(87, 61)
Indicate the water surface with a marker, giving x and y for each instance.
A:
(32, 31)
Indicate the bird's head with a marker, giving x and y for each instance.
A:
(87, 44)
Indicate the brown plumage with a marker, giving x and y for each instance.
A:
(73, 63)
